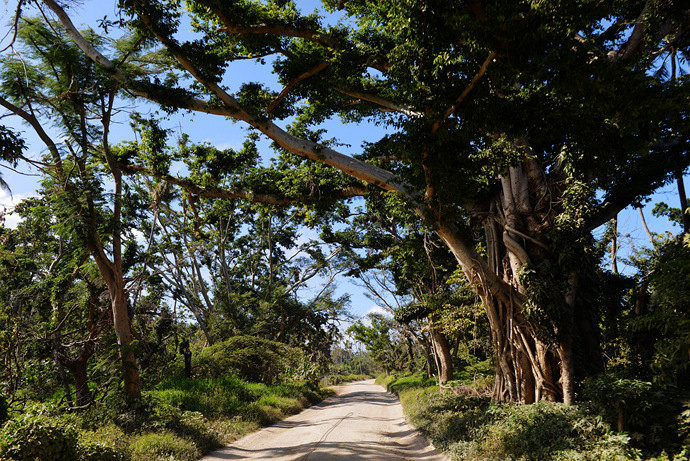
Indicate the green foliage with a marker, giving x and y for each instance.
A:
(379, 339)
(106, 443)
(212, 397)
(474, 428)
(546, 431)
(163, 446)
(408, 382)
(34, 436)
(656, 328)
(229, 396)
(651, 413)
(249, 357)
(181, 419)
(11, 147)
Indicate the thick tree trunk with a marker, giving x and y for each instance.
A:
(121, 324)
(124, 340)
(78, 370)
(445, 359)
(63, 378)
(529, 367)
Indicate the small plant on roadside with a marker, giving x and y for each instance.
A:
(163, 446)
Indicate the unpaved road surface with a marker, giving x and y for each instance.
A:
(362, 422)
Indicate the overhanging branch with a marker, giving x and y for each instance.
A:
(465, 92)
(292, 83)
(239, 193)
(385, 103)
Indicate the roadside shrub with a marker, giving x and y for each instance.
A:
(129, 415)
(31, 437)
(228, 430)
(107, 443)
(548, 430)
(409, 382)
(190, 425)
(90, 450)
(250, 358)
(212, 397)
(163, 446)
(468, 427)
(650, 413)
(444, 417)
(191, 408)
(385, 380)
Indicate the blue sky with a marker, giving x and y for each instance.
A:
(213, 129)
(223, 133)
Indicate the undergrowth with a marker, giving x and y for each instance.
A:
(180, 419)
(474, 428)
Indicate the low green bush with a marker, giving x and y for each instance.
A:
(106, 443)
(385, 380)
(546, 430)
(652, 414)
(163, 446)
(179, 420)
(36, 437)
(474, 428)
(250, 358)
(409, 382)
(90, 450)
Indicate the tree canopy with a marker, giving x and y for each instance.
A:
(515, 129)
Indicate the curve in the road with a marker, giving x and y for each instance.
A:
(362, 422)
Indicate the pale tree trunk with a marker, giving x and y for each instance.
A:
(122, 325)
(445, 360)
(528, 367)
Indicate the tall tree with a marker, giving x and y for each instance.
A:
(54, 83)
(533, 122)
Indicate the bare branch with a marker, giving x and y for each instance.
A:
(385, 103)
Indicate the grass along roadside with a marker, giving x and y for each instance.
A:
(474, 428)
(181, 419)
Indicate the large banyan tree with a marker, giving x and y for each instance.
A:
(515, 128)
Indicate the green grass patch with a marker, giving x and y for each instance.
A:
(474, 428)
(163, 446)
(180, 419)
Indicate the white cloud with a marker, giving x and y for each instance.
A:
(7, 204)
(139, 236)
(376, 309)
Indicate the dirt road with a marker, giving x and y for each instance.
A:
(362, 422)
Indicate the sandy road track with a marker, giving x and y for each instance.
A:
(362, 422)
